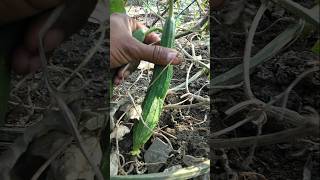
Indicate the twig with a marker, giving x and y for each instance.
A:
(248, 48)
(233, 127)
(171, 106)
(293, 84)
(238, 107)
(198, 98)
(228, 86)
(187, 78)
(198, 26)
(172, 136)
(165, 137)
(260, 122)
(193, 78)
(274, 138)
(197, 61)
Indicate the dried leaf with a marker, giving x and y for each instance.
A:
(134, 112)
(114, 164)
(73, 165)
(144, 65)
(119, 131)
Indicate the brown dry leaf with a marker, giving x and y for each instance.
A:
(119, 131)
(144, 65)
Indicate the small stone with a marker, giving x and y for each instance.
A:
(158, 152)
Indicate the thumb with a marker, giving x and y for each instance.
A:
(157, 54)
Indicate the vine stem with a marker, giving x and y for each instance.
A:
(171, 2)
(248, 48)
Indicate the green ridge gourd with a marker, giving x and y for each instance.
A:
(154, 100)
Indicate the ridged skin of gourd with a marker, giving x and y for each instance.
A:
(154, 99)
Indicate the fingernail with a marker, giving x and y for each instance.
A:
(116, 82)
(178, 59)
(174, 58)
(126, 74)
(171, 56)
(34, 64)
(53, 39)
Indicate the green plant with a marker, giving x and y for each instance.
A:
(316, 47)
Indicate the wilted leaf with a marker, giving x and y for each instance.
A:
(316, 47)
(134, 112)
(73, 165)
(119, 131)
(144, 65)
(114, 164)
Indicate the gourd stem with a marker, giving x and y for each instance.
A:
(171, 2)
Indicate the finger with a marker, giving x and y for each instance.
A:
(124, 72)
(152, 38)
(157, 54)
(120, 78)
(135, 25)
(216, 4)
(24, 62)
(52, 39)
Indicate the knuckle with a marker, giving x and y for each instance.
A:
(157, 54)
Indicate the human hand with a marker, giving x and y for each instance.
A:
(25, 57)
(216, 4)
(125, 49)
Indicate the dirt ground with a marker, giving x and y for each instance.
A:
(280, 161)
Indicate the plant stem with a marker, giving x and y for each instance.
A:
(171, 2)
(248, 48)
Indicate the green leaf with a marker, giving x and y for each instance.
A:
(117, 6)
(139, 35)
(316, 47)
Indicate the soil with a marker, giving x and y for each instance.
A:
(278, 161)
